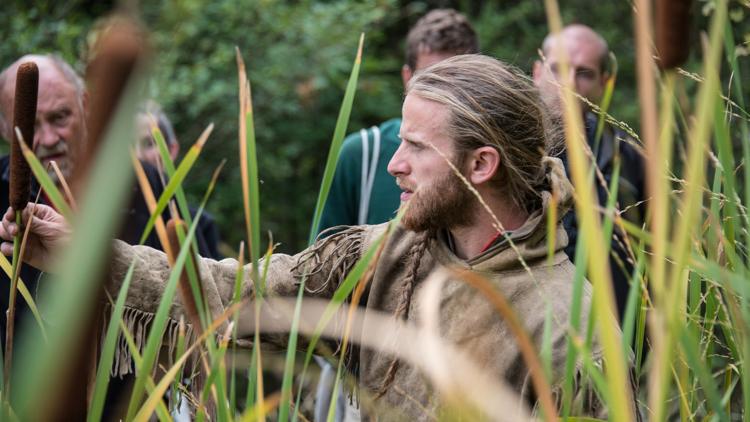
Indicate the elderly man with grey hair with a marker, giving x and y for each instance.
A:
(61, 109)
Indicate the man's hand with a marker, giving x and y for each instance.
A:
(48, 233)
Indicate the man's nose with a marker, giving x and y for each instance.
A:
(45, 136)
(398, 165)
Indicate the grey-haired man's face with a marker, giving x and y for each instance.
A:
(60, 127)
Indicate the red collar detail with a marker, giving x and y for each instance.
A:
(492, 241)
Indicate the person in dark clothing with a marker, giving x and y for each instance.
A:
(207, 233)
(588, 56)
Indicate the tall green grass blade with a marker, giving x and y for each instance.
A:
(590, 224)
(579, 278)
(697, 365)
(161, 410)
(338, 139)
(159, 324)
(108, 351)
(155, 396)
(24, 291)
(249, 170)
(176, 180)
(46, 183)
(69, 299)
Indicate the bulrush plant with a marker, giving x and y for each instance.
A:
(24, 117)
(689, 283)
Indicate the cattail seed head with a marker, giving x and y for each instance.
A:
(116, 54)
(24, 116)
(672, 32)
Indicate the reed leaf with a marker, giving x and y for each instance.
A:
(5, 265)
(108, 351)
(338, 137)
(159, 323)
(45, 182)
(598, 269)
(176, 180)
(155, 396)
(249, 170)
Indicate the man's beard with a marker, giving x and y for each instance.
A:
(445, 203)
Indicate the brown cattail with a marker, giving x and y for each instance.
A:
(186, 293)
(672, 32)
(24, 116)
(115, 56)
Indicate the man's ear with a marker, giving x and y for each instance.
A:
(406, 74)
(483, 165)
(537, 70)
(174, 149)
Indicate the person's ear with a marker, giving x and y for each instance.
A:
(406, 74)
(174, 149)
(483, 165)
(538, 70)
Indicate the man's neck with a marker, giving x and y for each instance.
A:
(469, 241)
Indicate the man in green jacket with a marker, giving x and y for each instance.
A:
(362, 191)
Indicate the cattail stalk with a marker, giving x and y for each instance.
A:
(188, 299)
(672, 32)
(24, 116)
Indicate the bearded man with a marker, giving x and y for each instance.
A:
(471, 115)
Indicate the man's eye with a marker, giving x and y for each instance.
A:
(60, 117)
(585, 74)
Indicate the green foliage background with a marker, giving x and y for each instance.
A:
(298, 55)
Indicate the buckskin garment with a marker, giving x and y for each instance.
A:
(534, 285)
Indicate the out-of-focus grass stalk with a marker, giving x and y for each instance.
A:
(96, 407)
(621, 408)
(729, 47)
(690, 209)
(5, 265)
(69, 298)
(47, 185)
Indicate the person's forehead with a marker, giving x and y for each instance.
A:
(422, 118)
(580, 49)
(55, 89)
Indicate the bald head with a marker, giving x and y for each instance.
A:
(588, 56)
(60, 109)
